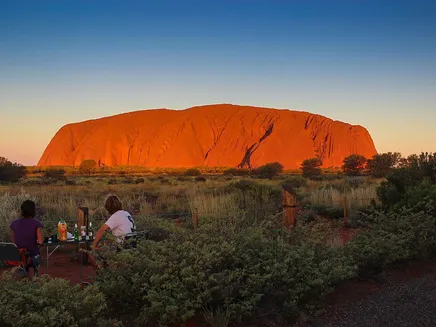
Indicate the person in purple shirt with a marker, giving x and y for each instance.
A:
(27, 233)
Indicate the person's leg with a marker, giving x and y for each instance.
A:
(36, 263)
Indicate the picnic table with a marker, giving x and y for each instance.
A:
(70, 241)
(57, 244)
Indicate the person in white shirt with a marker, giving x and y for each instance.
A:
(120, 223)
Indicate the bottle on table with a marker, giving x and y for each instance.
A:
(83, 232)
(76, 233)
(62, 231)
(91, 232)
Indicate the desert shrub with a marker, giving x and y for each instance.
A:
(393, 236)
(411, 173)
(11, 172)
(295, 182)
(50, 302)
(192, 172)
(421, 196)
(311, 167)
(354, 165)
(382, 164)
(87, 167)
(139, 181)
(236, 172)
(269, 170)
(55, 173)
(200, 179)
(233, 272)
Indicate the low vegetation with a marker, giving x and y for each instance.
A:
(240, 265)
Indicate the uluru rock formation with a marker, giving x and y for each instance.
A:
(214, 136)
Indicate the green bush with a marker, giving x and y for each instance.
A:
(50, 302)
(413, 171)
(269, 170)
(394, 236)
(236, 272)
(11, 172)
(311, 167)
(354, 165)
(382, 164)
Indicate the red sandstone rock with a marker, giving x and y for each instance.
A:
(214, 136)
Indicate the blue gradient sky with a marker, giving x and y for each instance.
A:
(365, 62)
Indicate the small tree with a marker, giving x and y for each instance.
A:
(87, 166)
(311, 167)
(382, 164)
(11, 172)
(354, 165)
(269, 170)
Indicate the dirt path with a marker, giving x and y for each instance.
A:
(406, 296)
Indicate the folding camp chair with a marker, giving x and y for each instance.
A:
(131, 239)
(12, 256)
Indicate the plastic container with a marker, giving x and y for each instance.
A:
(62, 231)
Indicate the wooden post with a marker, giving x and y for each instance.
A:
(289, 208)
(82, 220)
(344, 204)
(195, 219)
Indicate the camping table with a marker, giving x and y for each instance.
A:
(58, 244)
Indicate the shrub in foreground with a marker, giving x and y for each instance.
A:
(394, 236)
(233, 272)
(50, 302)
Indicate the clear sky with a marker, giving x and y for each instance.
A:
(364, 62)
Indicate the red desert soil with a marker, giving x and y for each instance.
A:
(209, 136)
(62, 264)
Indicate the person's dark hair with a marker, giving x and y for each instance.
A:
(113, 204)
(28, 209)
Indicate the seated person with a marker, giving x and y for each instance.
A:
(120, 223)
(27, 233)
